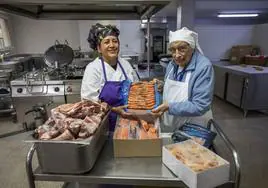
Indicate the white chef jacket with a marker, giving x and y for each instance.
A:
(93, 79)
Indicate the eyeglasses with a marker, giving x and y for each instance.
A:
(183, 49)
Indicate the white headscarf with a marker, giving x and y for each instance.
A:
(186, 35)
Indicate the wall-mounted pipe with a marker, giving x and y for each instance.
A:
(148, 45)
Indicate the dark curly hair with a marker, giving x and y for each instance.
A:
(99, 32)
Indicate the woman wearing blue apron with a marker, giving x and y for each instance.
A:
(189, 82)
(103, 76)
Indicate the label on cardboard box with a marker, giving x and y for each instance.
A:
(233, 58)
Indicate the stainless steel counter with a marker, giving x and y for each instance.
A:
(244, 87)
(247, 70)
(127, 172)
(120, 171)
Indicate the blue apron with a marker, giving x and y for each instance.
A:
(110, 94)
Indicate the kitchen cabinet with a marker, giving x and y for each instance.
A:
(245, 88)
(221, 77)
(234, 89)
(255, 93)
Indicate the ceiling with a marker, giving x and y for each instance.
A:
(84, 9)
(206, 11)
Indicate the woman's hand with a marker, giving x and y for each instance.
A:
(120, 110)
(159, 111)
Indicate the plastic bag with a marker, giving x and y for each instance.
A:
(198, 133)
(124, 90)
(179, 136)
(158, 97)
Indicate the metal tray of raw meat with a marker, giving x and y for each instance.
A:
(71, 157)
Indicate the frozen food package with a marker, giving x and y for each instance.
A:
(194, 156)
(135, 129)
(143, 95)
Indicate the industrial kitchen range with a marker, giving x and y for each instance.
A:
(45, 88)
(58, 82)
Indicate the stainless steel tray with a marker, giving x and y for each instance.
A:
(71, 157)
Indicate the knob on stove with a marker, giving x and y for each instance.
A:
(56, 89)
(19, 90)
(69, 89)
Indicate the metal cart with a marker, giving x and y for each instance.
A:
(131, 171)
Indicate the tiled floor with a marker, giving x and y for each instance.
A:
(249, 135)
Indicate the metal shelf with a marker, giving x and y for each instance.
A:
(5, 95)
(7, 110)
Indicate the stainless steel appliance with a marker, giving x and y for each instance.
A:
(19, 64)
(27, 93)
(40, 115)
(54, 86)
(59, 55)
(6, 106)
(72, 90)
(158, 40)
(164, 60)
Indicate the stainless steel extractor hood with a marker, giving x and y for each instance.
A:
(84, 9)
(155, 23)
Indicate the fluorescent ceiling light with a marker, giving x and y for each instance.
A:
(236, 15)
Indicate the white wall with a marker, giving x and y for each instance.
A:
(217, 40)
(131, 37)
(32, 36)
(260, 37)
(35, 36)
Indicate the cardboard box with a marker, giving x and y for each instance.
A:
(205, 179)
(256, 60)
(239, 52)
(138, 148)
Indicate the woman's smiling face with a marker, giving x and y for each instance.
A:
(109, 48)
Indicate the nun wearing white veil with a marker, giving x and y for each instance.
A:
(189, 82)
